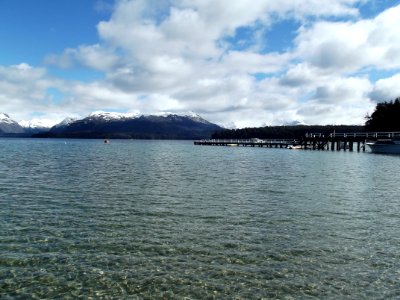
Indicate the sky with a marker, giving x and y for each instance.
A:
(242, 63)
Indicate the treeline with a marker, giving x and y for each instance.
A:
(386, 117)
(283, 132)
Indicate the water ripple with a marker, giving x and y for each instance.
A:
(165, 219)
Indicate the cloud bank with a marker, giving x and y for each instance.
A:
(212, 58)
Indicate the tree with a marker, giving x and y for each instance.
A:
(386, 117)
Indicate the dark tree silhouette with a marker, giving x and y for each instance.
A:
(286, 132)
(386, 117)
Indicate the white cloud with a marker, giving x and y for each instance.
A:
(250, 62)
(191, 29)
(343, 90)
(386, 89)
(301, 9)
(341, 100)
(94, 57)
(178, 56)
(300, 75)
(351, 46)
(23, 87)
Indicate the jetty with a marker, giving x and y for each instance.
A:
(349, 141)
(269, 143)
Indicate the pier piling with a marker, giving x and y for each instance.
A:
(314, 141)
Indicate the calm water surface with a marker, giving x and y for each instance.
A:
(167, 219)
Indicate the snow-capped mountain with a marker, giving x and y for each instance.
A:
(294, 123)
(115, 116)
(111, 116)
(4, 118)
(9, 126)
(36, 125)
(65, 122)
(189, 114)
(230, 125)
(102, 124)
(196, 117)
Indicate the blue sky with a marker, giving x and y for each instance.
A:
(242, 63)
(33, 29)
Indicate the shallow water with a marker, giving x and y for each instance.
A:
(167, 219)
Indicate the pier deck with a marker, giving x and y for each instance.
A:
(313, 141)
(269, 143)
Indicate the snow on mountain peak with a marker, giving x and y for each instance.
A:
(37, 123)
(66, 122)
(108, 116)
(4, 118)
(112, 116)
(162, 114)
(196, 117)
(191, 115)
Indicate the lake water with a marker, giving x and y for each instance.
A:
(167, 219)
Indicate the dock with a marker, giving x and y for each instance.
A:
(349, 141)
(268, 143)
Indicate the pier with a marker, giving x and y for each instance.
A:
(269, 143)
(344, 141)
(311, 141)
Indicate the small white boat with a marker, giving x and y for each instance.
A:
(385, 146)
(294, 147)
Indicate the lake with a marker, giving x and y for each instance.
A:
(167, 219)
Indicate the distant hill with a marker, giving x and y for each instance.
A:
(115, 125)
(283, 132)
(36, 126)
(165, 126)
(9, 127)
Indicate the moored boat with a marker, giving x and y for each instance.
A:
(390, 146)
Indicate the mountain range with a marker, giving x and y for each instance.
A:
(9, 127)
(115, 125)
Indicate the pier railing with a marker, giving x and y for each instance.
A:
(277, 143)
(248, 140)
(314, 141)
(367, 135)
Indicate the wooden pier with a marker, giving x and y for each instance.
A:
(344, 141)
(311, 141)
(269, 143)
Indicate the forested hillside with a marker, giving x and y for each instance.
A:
(280, 132)
(386, 117)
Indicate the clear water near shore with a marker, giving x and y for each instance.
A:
(166, 219)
